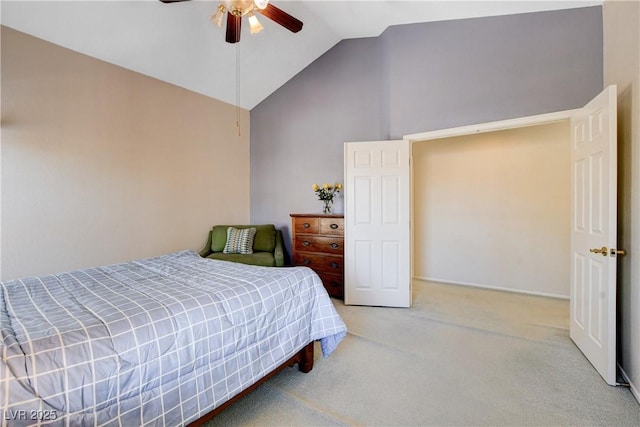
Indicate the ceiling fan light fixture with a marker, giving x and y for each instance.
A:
(216, 18)
(261, 4)
(235, 10)
(254, 25)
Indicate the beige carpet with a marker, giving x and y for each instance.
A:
(460, 356)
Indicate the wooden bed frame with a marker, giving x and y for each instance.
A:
(304, 359)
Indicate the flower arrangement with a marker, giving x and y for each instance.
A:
(326, 193)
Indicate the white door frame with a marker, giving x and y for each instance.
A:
(540, 119)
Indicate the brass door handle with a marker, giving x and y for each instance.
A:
(603, 251)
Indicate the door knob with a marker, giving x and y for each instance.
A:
(603, 251)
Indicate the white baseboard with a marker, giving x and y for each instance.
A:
(632, 387)
(495, 288)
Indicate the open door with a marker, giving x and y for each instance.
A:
(377, 230)
(594, 232)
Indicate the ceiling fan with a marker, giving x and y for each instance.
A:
(236, 9)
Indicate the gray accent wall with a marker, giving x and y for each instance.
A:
(415, 78)
(297, 134)
(453, 73)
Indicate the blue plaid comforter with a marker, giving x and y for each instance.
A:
(160, 341)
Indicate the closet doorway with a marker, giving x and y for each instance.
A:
(592, 226)
(493, 209)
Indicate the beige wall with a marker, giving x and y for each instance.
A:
(622, 67)
(494, 210)
(101, 165)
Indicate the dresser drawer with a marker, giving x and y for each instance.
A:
(303, 225)
(333, 283)
(319, 262)
(329, 245)
(331, 226)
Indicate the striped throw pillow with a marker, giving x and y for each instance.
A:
(239, 241)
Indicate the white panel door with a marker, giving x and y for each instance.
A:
(377, 230)
(594, 232)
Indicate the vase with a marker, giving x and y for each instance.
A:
(327, 206)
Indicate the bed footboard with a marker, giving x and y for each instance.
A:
(304, 359)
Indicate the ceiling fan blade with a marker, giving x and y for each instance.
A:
(172, 1)
(234, 24)
(281, 17)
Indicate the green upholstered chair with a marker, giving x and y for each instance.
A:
(268, 249)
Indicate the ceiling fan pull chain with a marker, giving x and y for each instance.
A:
(238, 88)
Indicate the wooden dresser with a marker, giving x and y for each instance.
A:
(318, 243)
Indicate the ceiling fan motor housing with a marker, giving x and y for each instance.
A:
(238, 7)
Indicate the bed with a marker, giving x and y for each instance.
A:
(159, 341)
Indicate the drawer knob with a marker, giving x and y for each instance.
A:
(334, 226)
(306, 243)
(334, 284)
(306, 261)
(306, 225)
(335, 246)
(334, 264)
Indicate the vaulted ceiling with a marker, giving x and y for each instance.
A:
(178, 43)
